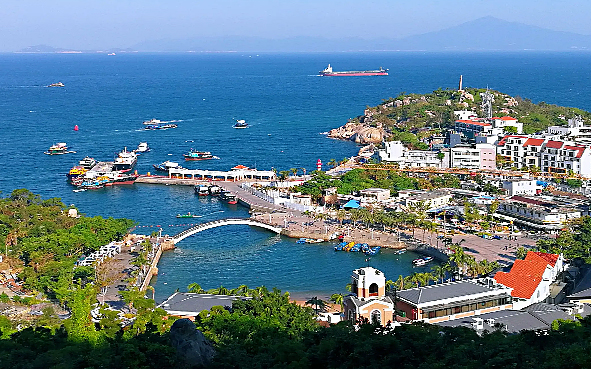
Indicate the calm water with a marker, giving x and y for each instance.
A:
(279, 95)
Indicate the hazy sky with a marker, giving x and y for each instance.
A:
(92, 24)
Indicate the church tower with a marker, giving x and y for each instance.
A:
(368, 283)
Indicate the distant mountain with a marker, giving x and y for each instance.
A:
(41, 49)
(51, 49)
(483, 34)
(494, 34)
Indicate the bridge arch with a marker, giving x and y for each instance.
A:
(220, 223)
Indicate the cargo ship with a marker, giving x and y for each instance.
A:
(328, 72)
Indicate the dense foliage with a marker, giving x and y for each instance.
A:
(574, 241)
(360, 179)
(413, 112)
(43, 242)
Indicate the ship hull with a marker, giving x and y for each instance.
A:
(348, 74)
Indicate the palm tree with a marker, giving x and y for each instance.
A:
(241, 290)
(332, 163)
(294, 171)
(303, 170)
(195, 288)
(438, 272)
(318, 304)
(338, 298)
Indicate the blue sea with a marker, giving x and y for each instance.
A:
(287, 106)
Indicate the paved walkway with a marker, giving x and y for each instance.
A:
(255, 203)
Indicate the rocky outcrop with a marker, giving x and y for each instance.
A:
(192, 347)
(359, 132)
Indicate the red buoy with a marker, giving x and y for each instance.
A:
(76, 127)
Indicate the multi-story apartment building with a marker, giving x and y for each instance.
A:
(396, 152)
(479, 156)
(549, 155)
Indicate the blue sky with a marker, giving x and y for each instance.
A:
(92, 24)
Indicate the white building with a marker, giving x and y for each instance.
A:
(479, 156)
(431, 200)
(503, 122)
(536, 213)
(524, 187)
(396, 152)
(530, 279)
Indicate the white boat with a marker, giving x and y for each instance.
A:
(143, 147)
(153, 121)
(241, 123)
(422, 261)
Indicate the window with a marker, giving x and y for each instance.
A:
(373, 289)
(376, 316)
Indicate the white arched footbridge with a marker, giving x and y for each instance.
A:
(222, 222)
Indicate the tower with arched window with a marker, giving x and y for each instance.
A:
(368, 301)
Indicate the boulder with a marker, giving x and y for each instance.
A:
(191, 345)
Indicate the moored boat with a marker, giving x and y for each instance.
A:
(165, 166)
(199, 155)
(214, 190)
(328, 72)
(422, 261)
(125, 161)
(201, 190)
(87, 162)
(229, 197)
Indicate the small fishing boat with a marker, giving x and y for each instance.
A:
(214, 190)
(240, 124)
(143, 147)
(301, 241)
(422, 261)
(228, 197)
(310, 240)
(188, 215)
(165, 166)
(340, 246)
(372, 250)
(59, 149)
(201, 190)
(401, 251)
(57, 84)
(199, 155)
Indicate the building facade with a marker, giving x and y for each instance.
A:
(369, 301)
(453, 300)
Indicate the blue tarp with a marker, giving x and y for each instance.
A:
(352, 204)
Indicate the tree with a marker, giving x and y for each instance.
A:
(332, 163)
(440, 157)
(195, 288)
(337, 298)
(294, 171)
(318, 304)
(510, 130)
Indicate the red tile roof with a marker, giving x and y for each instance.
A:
(508, 118)
(578, 149)
(526, 275)
(534, 142)
(504, 139)
(550, 258)
(554, 144)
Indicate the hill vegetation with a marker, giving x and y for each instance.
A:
(425, 114)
